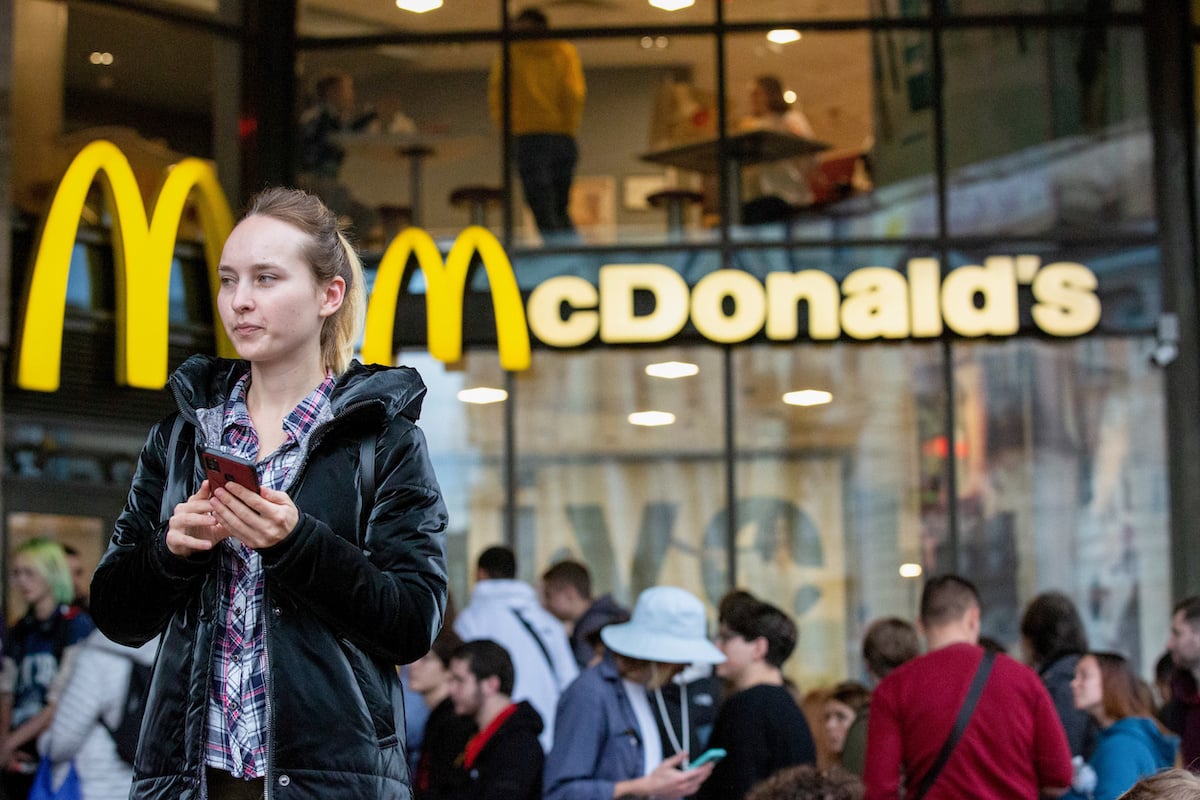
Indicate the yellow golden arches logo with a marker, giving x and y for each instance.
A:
(143, 252)
(445, 284)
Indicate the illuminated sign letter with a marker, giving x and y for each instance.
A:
(749, 300)
(445, 286)
(924, 283)
(546, 317)
(871, 309)
(619, 282)
(1066, 299)
(996, 283)
(143, 254)
(785, 290)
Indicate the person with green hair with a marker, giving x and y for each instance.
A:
(35, 650)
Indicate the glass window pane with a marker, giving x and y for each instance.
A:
(1034, 7)
(334, 18)
(124, 79)
(863, 99)
(417, 129)
(1063, 461)
(644, 94)
(1047, 132)
(835, 496)
(790, 10)
(466, 445)
(636, 503)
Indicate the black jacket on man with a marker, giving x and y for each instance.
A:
(338, 616)
(509, 767)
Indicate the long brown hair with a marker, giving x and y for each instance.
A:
(330, 255)
(1121, 694)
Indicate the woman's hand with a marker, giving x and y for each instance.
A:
(669, 781)
(192, 527)
(256, 520)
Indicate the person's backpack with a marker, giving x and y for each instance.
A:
(125, 735)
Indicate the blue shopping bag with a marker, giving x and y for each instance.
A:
(43, 784)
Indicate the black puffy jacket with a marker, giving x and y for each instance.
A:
(337, 617)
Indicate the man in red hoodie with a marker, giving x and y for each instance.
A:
(504, 760)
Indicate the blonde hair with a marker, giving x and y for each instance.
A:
(1176, 784)
(48, 560)
(330, 255)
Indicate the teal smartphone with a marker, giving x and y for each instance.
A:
(713, 755)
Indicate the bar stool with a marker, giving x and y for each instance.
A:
(478, 198)
(393, 219)
(676, 202)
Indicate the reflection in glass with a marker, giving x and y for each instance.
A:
(408, 159)
(1063, 462)
(830, 496)
(1047, 132)
(863, 98)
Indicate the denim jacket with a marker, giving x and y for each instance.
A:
(597, 742)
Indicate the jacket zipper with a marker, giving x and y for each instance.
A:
(314, 439)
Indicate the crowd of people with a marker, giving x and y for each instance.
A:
(631, 700)
(655, 696)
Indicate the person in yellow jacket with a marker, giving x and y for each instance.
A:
(546, 106)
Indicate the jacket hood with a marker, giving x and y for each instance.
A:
(604, 611)
(1163, 746)
(204, 381)
(1059, 668)
(525, 718)
(506, 592)
(143, 655)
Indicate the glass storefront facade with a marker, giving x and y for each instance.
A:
(951, 133)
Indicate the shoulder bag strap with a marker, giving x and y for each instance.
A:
(540, 644)
(169, 488)
(366, 481)
(960, 724)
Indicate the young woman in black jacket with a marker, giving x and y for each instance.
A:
(283, 612)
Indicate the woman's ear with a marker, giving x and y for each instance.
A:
(332, 296)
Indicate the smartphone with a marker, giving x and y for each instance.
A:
(222, 468)
(713, 755)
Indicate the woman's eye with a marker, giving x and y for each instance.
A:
(226, 281)
(266, 278)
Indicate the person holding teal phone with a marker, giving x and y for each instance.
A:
(760, 724)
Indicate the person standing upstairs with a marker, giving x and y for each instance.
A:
(546, 107)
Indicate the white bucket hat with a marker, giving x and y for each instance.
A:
(668, 625)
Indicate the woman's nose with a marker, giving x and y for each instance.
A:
(243, 296)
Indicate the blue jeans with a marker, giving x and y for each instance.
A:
(546, 164)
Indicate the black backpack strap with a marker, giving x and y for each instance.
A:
(960, 724)
(173, 481)
(366, 482)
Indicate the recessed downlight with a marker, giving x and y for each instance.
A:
(418, 6)
(808, 397)
(672, 369)
(910, 570)
(783, 36)
(672, 5)
(652, 419)
(482, 395)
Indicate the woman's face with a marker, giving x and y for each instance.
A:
(427, 673)
(1087, 686)
(758, 100)
(29, 582)
(269, 300)
(838, 718)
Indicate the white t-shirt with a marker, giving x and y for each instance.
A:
(652, 754)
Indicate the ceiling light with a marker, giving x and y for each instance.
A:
(789, 97)
(482, 395)
(101, 59)
(783, 36)
(910, 570)
(808, 397)
(651, 419)
(418, 6)
(672, 5)
(671, 369)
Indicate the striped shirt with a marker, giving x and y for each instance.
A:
(237, 703)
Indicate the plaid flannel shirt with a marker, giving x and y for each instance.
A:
(236, 741)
